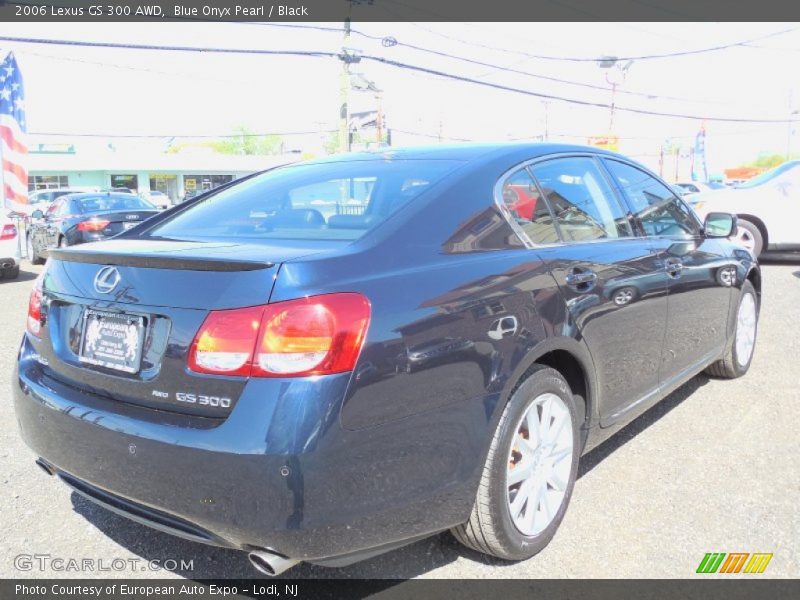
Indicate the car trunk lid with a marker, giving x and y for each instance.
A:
(127, 336)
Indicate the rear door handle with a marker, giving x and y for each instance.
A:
(577, 278)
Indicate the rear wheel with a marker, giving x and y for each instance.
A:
(739, 353)
(11, 273)
(529, 473)
(749, 236)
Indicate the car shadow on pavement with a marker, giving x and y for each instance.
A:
(23, 276)
(638, 425)
(209, 562)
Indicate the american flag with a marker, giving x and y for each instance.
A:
(13, 149)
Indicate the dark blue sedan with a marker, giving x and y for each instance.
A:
(332, 359)
(84, 217)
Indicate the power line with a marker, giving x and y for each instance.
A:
(568, 100)
(680, 53)
(78, 43)
(178, 135)
(394, 63)
(391, 41)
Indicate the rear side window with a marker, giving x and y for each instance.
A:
(322, 201)
(583, 204)
(659, 211)
(527, 207)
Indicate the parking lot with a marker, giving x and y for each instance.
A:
(713, 468)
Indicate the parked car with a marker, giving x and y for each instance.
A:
(42, 199)
(80, 218)
(247, 372)
(695, 187)
(10, 255)
(767, 206)
(157, 198)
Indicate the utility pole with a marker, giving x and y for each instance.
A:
(546, 121)
(379, 119)
(790, 125)
(344, 91)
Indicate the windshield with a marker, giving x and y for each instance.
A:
(112, 202)
(770, 175)
(322, 201)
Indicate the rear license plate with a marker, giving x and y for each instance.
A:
(126, 226)
(112, 340)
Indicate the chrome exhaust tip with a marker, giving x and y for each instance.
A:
(45, 466)
(270, 563)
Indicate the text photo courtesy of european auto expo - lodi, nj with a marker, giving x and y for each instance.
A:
(370, 298)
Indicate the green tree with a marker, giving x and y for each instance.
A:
(769, 161)
(244, 141)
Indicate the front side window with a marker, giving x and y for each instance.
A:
(584, 206)
(528, 209)
(322, 201)
(659, 211)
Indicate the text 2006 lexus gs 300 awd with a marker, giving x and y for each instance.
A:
(329, 360)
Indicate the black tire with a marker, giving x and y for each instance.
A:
(11, 273)
(62, 242)
(33, 256)
(728, 366)
(755, 234)
(490, 528)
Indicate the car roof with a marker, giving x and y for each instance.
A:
(84, 195)
(466, 152)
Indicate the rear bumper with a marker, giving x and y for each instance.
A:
(278, 473)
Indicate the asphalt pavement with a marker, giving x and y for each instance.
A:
(715, 467)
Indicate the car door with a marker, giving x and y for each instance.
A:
(778, 206)
(52, 224)
(613, 285)
(700, 271)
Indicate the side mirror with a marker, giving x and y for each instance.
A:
(720, 225)
(37, 214)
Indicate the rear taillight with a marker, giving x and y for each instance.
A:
(35, 308)
(93, 225)
(224, 345)
(9, 232)
(319, 335)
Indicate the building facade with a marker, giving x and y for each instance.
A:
(139, 168)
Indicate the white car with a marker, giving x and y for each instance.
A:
(10, 255)
(695, 187)
(160, 199)
(768, 207)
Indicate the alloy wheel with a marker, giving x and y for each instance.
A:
(745, 329)
(539, 464)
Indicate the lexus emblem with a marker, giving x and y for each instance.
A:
(106, 280)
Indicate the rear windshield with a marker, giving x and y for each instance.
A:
(116, 202)
(323, 201)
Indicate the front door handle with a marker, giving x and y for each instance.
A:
(581, 279)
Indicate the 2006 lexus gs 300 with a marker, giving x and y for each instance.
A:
(331, 359)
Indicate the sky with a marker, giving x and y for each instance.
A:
(74, 90)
